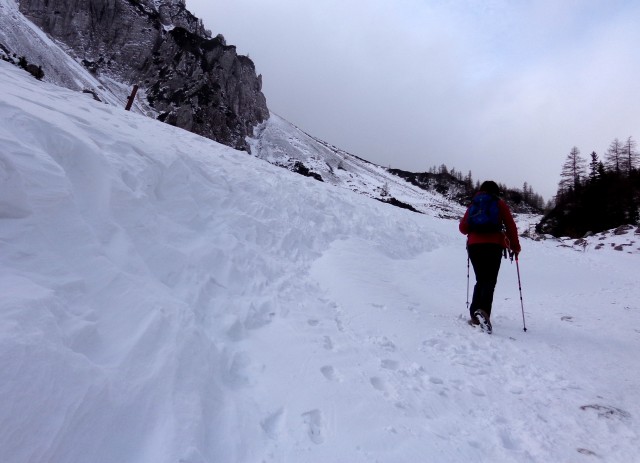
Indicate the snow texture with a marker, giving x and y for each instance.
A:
(169, 299)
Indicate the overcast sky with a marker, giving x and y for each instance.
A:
(502, 88)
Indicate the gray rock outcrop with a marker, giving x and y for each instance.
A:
(191, 80)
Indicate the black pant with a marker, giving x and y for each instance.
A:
(485, 259)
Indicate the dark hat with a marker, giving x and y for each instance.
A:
(491, 187)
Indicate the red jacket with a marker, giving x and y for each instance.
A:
(507, 240)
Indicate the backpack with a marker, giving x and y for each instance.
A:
(484, 214)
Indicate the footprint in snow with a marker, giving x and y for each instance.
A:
(259, 317)
(389, 364)
(330, 373)
(384, 343)
(508, 442)
(378, 383)
(272, 424)
(314, 424)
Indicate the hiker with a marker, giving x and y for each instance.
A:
(490, 231)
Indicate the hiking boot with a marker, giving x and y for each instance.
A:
(473, 321)
(483, 320)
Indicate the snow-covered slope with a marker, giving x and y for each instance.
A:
(282, 143)
(24, 38)
(276, 140)
(168, 299)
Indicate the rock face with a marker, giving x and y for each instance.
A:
(193, 81)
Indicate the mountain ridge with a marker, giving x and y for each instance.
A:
(189, 79)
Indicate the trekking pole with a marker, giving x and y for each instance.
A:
(468, 282)
(524, 325)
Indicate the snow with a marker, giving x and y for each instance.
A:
(25, 39)
(282, 143)
(169, 299)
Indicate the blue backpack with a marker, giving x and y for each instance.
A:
(484, 214)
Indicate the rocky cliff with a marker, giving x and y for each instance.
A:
(192, 80)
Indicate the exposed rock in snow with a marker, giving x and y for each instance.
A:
(190, 80)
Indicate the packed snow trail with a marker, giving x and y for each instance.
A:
(168, 299)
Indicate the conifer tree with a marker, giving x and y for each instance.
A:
(573, 171)
(613, 158)
(629, 156)
(468, 183)
(594, 167)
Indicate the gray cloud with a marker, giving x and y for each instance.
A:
(500, 89)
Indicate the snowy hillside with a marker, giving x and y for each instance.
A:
(169, 299)
(276, 140)
(282, 143)
(26, 39)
